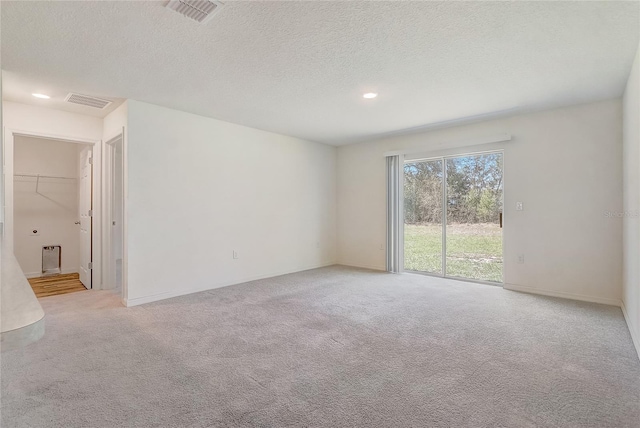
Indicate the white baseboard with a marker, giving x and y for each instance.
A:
(561, 294)
(62, 272)
(362, 266)
(635, 337)
(169, 294)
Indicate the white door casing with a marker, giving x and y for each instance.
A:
(114, 216)
(85, 208)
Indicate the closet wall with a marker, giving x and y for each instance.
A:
(53, 210)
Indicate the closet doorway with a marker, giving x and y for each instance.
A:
(53, 213)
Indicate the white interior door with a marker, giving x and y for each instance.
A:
(115, 199)
(85, 208)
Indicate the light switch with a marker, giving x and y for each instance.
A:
(518, 206)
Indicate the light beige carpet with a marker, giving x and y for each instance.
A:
(334, 347)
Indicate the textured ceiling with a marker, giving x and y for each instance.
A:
(300, 68)
(18, 87)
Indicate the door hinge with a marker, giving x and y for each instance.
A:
(90, 161)
(90, 214)
(90, 265)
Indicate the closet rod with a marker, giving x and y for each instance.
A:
(44, 176)
(38, 177)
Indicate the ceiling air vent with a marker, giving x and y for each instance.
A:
(86, 100)
(198, 10)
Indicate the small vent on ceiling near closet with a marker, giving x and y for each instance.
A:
(87, 100)
(198, 10)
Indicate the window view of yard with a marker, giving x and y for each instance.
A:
(473, 206)
(473, 250)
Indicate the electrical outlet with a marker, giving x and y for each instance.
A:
(520, 258)
(518, 206)
(235, 255)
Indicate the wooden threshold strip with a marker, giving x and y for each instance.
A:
(53, 285)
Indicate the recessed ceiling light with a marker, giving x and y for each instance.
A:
(43, 96)
(370, 95)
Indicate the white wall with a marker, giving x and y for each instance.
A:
(2, 161)
(41, 121)
(114, 122)
(631, 133)
(565, 165)
(53, 210)
(199, 188)
(49, 121)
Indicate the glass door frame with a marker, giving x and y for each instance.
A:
(443, 160)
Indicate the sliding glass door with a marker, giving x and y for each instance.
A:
(474, 210)
(465, 238)
(423, 202)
